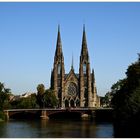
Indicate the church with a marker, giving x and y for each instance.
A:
(74, 89)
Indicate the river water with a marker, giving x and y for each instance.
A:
(55, 129)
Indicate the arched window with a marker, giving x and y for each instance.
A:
(59, 68)
(66, 103)
(77, 103)
(71, 103)
(86, 104)
(85, 93)
(84, 68)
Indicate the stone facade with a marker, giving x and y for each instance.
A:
(72, 89)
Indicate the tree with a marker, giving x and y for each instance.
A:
(40, 94)
(126, 92)
(4, 96)
(126, 101)
(117, 86)
(50, 98)
(40, 89)
(33, 99)
(106, 100)
(28, 102)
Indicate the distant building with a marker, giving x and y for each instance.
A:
(18, 97)
(27, 94)
(74, 89)
(15, 98)
(11, 97)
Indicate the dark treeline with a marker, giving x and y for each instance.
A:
(126, 103)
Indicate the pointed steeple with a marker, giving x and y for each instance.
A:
(58, 70)
(59, 38)
(84, 50)
(84, 42)
(59, 44)
(72, 63)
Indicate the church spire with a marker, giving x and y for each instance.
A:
(84, 42)
(58, 70)
(59, 44)
(72, 63)
(84, 50)
(59, 37)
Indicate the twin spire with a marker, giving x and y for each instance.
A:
(84, 42)
(84, 50)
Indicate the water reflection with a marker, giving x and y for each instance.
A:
(55, 129)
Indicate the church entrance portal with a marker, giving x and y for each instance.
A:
(66, 103)
(72, 103)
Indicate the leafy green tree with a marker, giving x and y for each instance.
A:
(25, 103)
(117, 86)
(50, 98)
(126, 99)
(40, 89)
(15, 104)
(134, 102)
(126, 102)
(33, 99)
(4, 96)
(28, 102)
(106, 100)
(40, 94)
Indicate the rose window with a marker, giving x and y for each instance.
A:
(72, 90)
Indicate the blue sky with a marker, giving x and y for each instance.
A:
(28, 33)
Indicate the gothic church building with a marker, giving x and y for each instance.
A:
(74, 89)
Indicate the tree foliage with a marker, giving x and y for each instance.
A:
(45, 98)
(40, 89)
(28, 102)
(50, 99)
(4, 96)
(126, 99)
(40, 94)
(126, 102)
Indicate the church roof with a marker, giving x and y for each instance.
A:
(76, 74)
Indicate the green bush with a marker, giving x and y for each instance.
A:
(2, 116)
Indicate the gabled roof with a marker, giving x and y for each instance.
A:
(71, 73)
